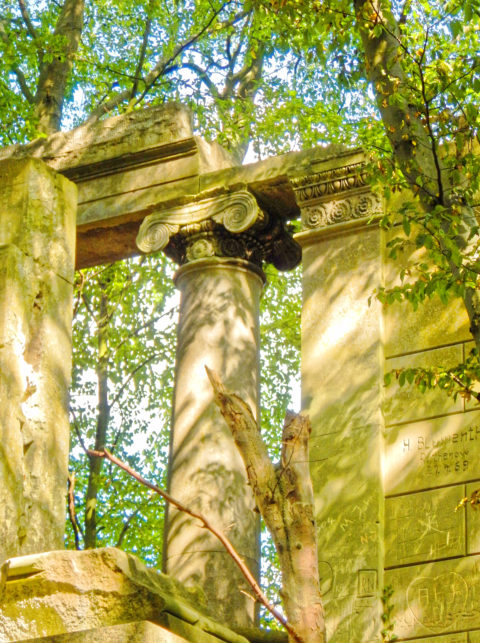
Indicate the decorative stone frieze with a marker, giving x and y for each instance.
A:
(329, 182)
(336, 195)
(231, 226)
(340, 210)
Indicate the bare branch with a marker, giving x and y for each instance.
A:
(78, 432)
(260, 596)
(204, 77)
(284, 497)
(126, 526)
(141, 58)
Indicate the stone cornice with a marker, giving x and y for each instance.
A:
(333, 181)
(141, 163)
(335, 196)
(351, 207)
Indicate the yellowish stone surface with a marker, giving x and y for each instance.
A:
(432, 324)
(406, 403)
(436, 598)
(424, 526)
(342, 371)
(432, 453)
(473, 520)
(37, 248)
(218, 328)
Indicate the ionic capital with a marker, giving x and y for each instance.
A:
(230, 225)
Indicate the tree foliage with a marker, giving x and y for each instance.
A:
(399, 78)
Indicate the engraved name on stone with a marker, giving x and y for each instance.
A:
(448, 454)
(236, 212)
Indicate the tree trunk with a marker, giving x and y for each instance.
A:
(408, 125)
(54, 74)
(284, 497)
(103, 418)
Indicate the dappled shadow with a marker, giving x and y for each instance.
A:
(35, 358)
(218, 327)
(355, 461)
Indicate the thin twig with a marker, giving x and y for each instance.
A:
(260, 596)
(77, 431)
(71, 510)
(464, 387)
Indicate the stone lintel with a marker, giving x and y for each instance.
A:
(130, 166)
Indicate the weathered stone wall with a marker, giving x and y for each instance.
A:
(342, 371)
(37, 247)
(432, 449)
(389, 464)
(100, 595)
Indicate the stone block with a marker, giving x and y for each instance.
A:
(432, 324)
(68, 592)
(432, 453)
(435, 598)
(342, 371)
(353, 619)
(461, 637)
(140, 631)
(342, 366)
(473, 521)
(407, 403)
(37, 247)
(421, 527)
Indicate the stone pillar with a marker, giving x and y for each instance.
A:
(37, 249)
(220, 244)
(342, 374)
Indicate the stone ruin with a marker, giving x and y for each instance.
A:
(389, 465)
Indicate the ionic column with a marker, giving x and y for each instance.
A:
(220, 244)
(37, 251)
(342, 378)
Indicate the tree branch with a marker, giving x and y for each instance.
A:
(71, 510)
(162, 65)
(26, 19)
(53, 78)
(126, 526)
(284, 497)
(141, 58)
(22, 81)
(206, 525)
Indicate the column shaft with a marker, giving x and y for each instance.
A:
(37, 247)
(218, 327)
